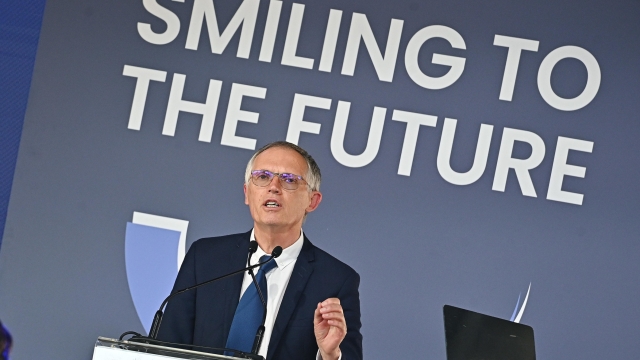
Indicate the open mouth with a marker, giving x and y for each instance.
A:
(272, 204)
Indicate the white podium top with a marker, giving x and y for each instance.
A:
(112, 349)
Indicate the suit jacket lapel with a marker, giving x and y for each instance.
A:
(299, 277)
(238, 258)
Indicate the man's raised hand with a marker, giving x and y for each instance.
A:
(330, 328)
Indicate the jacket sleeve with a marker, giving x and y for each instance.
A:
(351, 346)
(179, 318)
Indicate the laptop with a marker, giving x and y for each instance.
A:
(474, 336)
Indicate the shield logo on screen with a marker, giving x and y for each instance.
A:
(154, 250)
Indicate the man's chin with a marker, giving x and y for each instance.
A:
(276, 223)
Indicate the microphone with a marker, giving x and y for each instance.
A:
(253, 247)
(157, 319)
(277, 251)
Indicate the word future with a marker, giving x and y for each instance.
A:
(414, 121)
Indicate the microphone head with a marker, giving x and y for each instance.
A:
(253, 246)
(277, 251)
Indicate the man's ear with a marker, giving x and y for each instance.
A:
(316, 198)
(244, 188)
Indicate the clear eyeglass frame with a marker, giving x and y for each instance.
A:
(288, 181)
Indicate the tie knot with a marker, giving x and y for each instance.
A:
(268, 266)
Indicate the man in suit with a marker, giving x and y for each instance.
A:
(313, 305)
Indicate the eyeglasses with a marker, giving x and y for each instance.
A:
(287, 181)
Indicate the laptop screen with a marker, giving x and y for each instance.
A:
(474, 336)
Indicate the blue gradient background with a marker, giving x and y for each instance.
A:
(20, 22)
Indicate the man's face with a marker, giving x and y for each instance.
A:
(290, 205)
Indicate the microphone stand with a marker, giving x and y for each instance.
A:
(260, 332)
(157, 318)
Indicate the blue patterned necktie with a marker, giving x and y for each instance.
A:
(250, 311)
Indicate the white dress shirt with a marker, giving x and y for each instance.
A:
(277, 281)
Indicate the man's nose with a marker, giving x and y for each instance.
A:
(275, 184)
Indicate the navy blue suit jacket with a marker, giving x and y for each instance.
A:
(203, 316)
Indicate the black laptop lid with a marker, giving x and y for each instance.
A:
(474, 336)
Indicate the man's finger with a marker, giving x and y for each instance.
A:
(331, 308)
(338, 325)
(332, 315)
(317, 315)
(330, 301)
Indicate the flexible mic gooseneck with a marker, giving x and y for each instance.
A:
(253, 247)
(157, 318)
(277, 251)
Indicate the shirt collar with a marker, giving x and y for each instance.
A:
(288, 256)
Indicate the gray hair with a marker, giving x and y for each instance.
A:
(313, 175)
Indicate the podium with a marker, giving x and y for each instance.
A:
(112, 349)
